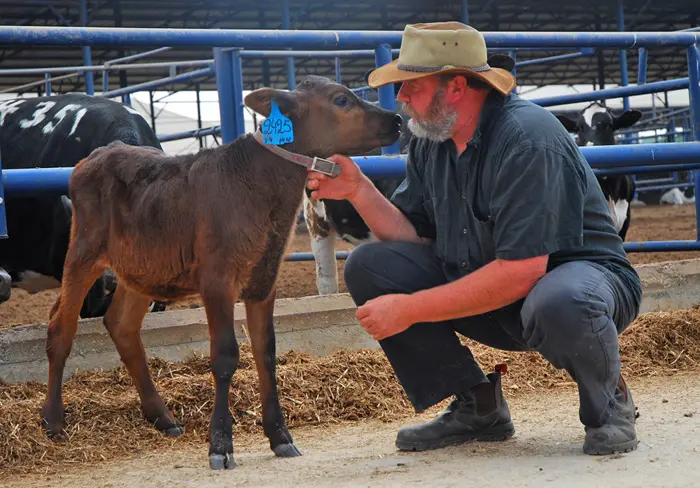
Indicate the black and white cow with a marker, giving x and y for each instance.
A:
(596, 126)
(46, 132)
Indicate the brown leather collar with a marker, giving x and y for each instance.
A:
(315, 164)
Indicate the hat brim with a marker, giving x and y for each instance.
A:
(500, 79)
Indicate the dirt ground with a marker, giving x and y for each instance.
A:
(545, 451)
(298, 279)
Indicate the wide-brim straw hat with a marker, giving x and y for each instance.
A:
(441, 48)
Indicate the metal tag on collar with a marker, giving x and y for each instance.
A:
(326, 167)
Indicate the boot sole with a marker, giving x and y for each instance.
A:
(493, 434)
(606, 450)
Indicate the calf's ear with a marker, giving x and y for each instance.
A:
(626, 119)
(260, 100)
(569, 123)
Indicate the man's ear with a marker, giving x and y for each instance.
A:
(260, 101)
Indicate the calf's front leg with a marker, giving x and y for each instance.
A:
(259, 319)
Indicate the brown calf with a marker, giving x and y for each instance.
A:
(213, 224)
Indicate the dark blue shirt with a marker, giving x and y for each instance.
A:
(520, 189)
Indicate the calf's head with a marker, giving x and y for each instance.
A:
(596, 125)
(328, 118)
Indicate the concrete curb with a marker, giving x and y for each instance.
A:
(316, 325)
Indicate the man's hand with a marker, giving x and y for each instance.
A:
(385, 316)
(346, 186)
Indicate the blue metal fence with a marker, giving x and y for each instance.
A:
(227, 46)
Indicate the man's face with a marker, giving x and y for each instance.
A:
(424, 101)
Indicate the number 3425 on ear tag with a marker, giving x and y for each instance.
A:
(277, 129)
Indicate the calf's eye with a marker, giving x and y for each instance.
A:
(341, 101)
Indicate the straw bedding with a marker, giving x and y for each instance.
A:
(105, 421)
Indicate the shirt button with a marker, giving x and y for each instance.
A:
(464, 264)
(464, 231)
(464, 197)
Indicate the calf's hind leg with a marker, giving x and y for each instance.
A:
(123, 320)
(80, 272)
(218, 298)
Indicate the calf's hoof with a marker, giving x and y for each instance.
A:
(53, 424)
(175, 431)
(286, 450)
(222, 461)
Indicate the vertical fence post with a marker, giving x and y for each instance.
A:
(694, 93)
(286, 23)
(229, 84)
(87, 53)
(47, 83)
(642, 66)
(337, 70)
(623, 53)
(387, 97)
(465, 12)
(3, 220)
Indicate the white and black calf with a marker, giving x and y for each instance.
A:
(48, 132)
(596, 126)
(327, 220)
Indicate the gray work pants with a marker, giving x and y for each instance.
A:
(572, 317)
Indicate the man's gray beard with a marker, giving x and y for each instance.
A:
(439, 122)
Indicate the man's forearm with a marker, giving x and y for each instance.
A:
(386, 222)
(491, 287)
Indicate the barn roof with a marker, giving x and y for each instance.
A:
(486, 15)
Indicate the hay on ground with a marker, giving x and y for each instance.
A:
(105, 421)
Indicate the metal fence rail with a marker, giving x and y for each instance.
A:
(231, 45)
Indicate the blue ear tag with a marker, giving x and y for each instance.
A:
(277, 129)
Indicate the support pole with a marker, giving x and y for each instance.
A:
(291, 79)
(465, 12)
(3, 220)
(642, 66)
(337, 70)
(694, 92)
(47, 83)
(229, 84)
(199, 116)
(87, 53)
(623, 53)
(153, 110)
(387, 98)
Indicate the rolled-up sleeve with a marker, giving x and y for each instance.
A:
(537, 203)
(409, 196)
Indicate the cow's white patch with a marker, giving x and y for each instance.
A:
(618, 212)
(319, 209)
(60, 115)
(591, 111)
(38, 116)
(323, 250)
(32, 282)
(81, 113)
(9, 107)
(355, 241)
(675, 197)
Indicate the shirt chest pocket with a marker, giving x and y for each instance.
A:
(481, 248)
